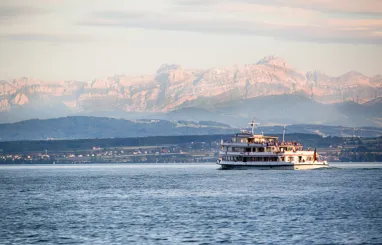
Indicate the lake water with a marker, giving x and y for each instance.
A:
(189, 204)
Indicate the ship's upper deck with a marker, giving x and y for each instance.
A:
(242, 139)
(249, 138)
(260, 140)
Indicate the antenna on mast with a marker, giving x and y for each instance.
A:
(253, 125)
(284, 133)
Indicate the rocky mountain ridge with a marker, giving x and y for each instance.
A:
(173, 88)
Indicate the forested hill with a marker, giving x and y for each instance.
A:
(82, 127)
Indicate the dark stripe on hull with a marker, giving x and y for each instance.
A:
(229, 167)
(277, 167)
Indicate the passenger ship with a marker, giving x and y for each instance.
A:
(247, 150)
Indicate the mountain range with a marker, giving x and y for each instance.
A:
(270, 89)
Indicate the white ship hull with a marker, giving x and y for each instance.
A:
(273, 165)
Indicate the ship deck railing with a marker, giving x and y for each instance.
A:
(267, 153)
(280, 144)
(243, 144)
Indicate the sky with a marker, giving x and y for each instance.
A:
(87, 39)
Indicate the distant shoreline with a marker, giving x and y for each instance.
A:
(172, 149)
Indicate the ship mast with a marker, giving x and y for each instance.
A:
(253, 125)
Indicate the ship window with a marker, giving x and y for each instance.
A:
(247, 149)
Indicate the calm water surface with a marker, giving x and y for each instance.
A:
(195, 204)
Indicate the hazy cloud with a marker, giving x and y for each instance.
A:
(86, 38)
(351, 6)
(178, 22)
(12, 12)
(43, 37)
